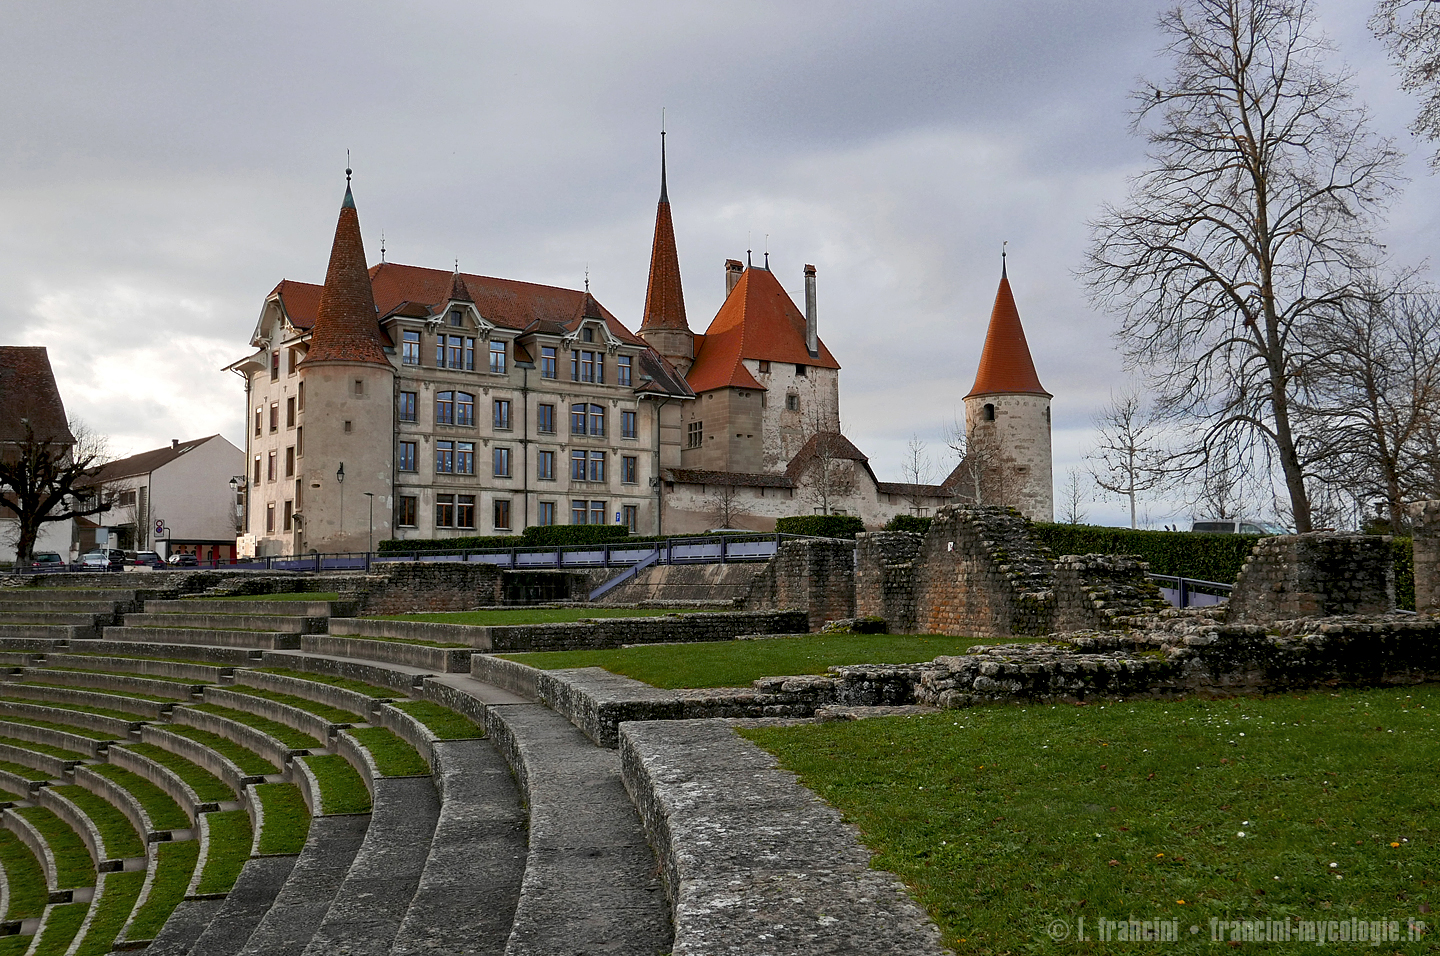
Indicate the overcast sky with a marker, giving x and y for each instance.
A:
(163, 165)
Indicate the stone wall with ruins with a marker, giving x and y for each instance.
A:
(979, 571)
(816, 575)
(1314, 575)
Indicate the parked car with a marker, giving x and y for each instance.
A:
(148, 559)
(1238, 526)
(184, 561)
(46, 561)
(103, 561)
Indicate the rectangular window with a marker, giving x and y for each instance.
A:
(545, 419)
(580, 512)
(628, 469)
(270, 517)
(407, 456)
(410, 348)
(300, 396)
(290, 461)
(275, 366)
(359, 388)
(300, 441)
(547, 364)
(465, 458)
(502, 413)
(497, 357)
(545, 465)
(694, 434)
(464, 408)
(502, 514)
(291, 360)
(444, 408)
(445, 457)
(469, 354)
(502, 462)
(792, 402)
(257, 470)
(455, 319)
(464, 511)
(259, 414)
(444, 511)
(274, 416)
(290, 412)
(289, 514)
(627, 425)
(577, 465)
(587, 366)
(407, 406)
(597, 512)
(622, 369)
(597, 421)
(764, 367)
(597, 466)
(545, 513)
(632, 517)
(455, 351)
(799, 371)
(270, 467)
(405, 511)
(577, 419)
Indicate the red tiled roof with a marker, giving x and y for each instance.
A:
(458, 292)
(757, 321)
(28, 391)
(664, 298)
(346, 328)
(1005, 363)
(300, 300)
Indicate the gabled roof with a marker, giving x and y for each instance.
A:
(28, 393)
(758, 321)
(147, 462)
(664, 298)
(1005, 363)
(346, 328)
(831, 445)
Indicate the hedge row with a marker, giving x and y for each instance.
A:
(821, 526)
(536, 536)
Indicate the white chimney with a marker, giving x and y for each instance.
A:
(812, 334)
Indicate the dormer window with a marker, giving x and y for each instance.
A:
(455, 319)
(587, 334)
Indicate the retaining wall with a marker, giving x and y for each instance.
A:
(1314, 575)
(816, 575)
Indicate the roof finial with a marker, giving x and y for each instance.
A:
(1002, 257)
(349, 202)
(664, 192)
(587, 278)
(457, 265)
(767, 252)
(382, 245)
(347, 165)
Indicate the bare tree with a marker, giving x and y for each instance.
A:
(50, 479)
(1410, 30)
(1127, 461)
(723, 503)
(916, 470)
(1072, 499)
(1251, 228)
(980, 478)
(829, 476)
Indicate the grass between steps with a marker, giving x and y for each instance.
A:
(107, 655)
(174, 865)
(335, 715)
(208, 787)
(537, 615)
(78, 708)
(8, 797)
(25, 877)
(53, 725)
(73, 866)
(59, 753)
(117, 833)
(24, 772)
(345, 683)
(443, 722)
(393, 756)
(61, 925)
(285, 596)
(287, 735)
(229, 849)
(1315, 806)
(399, 640)
(737, 663)
(111, 912)
(15, 945)
(98, 690)
(287, 821)
(159, 806)
(168, 680)
(249, 762)
(341, 788)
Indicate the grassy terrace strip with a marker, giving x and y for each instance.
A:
(171, 680)
(121, 892)
(287, 822)
(159, 806)
(286, 596)
(15, 945)
(393, 756)
(138, 657)
(73, 866)
(288, 736)
(399, 640)
(249, 762)
(229, 849)
(60, 929)
(341, 788)
(52, 725)
(60, 753)
(344, 683)
(538, 615)
(96, 690)
(7, 796)
(78, 708)
(208, 787)
(117, 832)
(24, 876)
(1001, 819)
(175, 863)
(737, 663)
(324, 711)
(25, 773)
(443, 722)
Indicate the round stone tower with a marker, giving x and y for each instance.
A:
(1007, 421)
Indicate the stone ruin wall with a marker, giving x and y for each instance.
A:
(816, 575)
(1320, 574)
(980, 571)
(1100, 591)
(1426, 518)
(885, 577)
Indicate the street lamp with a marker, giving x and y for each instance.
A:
(340, 478)
(236, 483)
(370, 539)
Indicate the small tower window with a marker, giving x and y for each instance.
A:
(989, 411)
(455, 319)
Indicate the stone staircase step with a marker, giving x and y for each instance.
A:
(260, 882)
(78, 619)
(371, 903)
(403, 677)
(199, 605)
(119, 683)
(185, 925)
(465, 903)
(142, 709)
(200, 653)
(239, 622)
(300, 906)
(10, 633)
(263, 640)
(182, 670)
(104, 608)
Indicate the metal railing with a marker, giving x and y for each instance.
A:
(1191, 592)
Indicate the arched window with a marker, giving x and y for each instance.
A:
(444, 408)
(464, 408)
(989, 411)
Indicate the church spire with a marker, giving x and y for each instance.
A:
(346, 329)
(664, 298)
(1005, 363)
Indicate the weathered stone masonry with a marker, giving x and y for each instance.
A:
(1314, 575)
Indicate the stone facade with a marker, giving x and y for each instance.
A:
(1426, 517)
(1314, 575)
(1096, 591)
(885, 577)
(1010, 437)
(979, 571)
(816, 575)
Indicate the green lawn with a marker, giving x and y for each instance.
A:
(121, 892)
(73, 866)
(208, 787)
(360, 687)
(249, 762)
(737, 663)
(287, 822)
(443, 722)
(341, 788)
(61, 925)
(393, 757)
(537, 615)
(159, 806)
(49, 751)
(175, 864)
(229, 849)
(1002, 819)
(284, 733)
(117, 833)
(324, 711)
(24, 876)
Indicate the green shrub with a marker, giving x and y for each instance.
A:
(537, 536)
(909, 523)
(558, 535)
(821, 526)
(1208, 557)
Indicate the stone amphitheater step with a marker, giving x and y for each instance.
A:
(591, 880)
(126, 599)
(292, 717)
(11, 634)
(465, 903)
(239, 622)
(255, 891)
(370, 904)
(264, 640)
(199, 605)
(73, 618)
(402, 677)
(302, 902)
(118, 683)
(144, 667)
(200, 653)
(184, 927)
(115, 726)
(44, 606)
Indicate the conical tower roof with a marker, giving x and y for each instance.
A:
(664, 299)
(1006, 367)
(346, 329)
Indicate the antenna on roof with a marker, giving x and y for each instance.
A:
(382, 245)
(664, 192)
(347, 166)
(748, 237)
(1002, 257)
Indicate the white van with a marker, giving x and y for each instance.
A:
(1238, 526)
